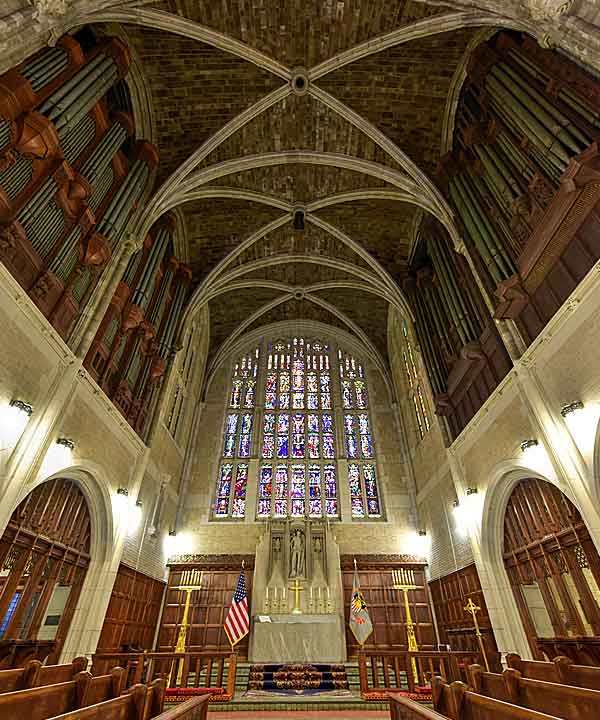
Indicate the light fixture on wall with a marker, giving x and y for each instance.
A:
(528, 445)
(135, 518)
(459, 513)
(582, 421)
(416, 543)
(13, 421)
(177, 543)
(58, 456)
(571, 408)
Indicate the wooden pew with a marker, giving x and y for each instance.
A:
(43, 702)
(560, 670)
(401, 708)
(34, 674)
(457, 702)
(141, 702)
(565, 701)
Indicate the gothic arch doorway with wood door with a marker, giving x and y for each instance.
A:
(554, 571)
(44, 557)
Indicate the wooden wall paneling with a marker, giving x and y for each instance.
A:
(386, 605)
(133, 611)
(450, 594)
(208, 607)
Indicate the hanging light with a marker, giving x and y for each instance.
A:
(582, 421)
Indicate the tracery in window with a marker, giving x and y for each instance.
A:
(414, 384)
(181, 384)
(298, 433)
(237, 440)
(358, 438)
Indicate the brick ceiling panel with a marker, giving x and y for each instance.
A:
(299, 310)
(367, 310)
(300, 274)
(301, 33)
(229, 310)
(403, 91)
(195, 88)
(299, 123)
(313, 242)
(215, 227)
(301, 183)
(383, 227)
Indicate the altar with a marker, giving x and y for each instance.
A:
(297, 639)
(297, 603)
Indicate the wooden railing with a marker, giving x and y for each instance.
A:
(397, 669)
(580, 650)
(401, 708)
(185, 670)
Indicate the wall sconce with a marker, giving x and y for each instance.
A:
(135, 518)
(416, 543)
(123, 491)
(177, 543)
(582, 421)
(527, 445)
(59, 456)
(571, 408)
(471, 491)
(460, 518)
(13, 421)
(22, 406)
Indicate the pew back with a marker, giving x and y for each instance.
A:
(565, 701)
(140, 702)
(47, 701)
(457, 702)
(401, 708)
(560, 670)
(34, 674)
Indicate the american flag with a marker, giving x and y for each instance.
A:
(237, 622)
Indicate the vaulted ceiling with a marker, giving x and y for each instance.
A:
(354, 144)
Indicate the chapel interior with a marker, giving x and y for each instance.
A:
(299, 379)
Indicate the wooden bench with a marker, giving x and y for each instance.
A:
(43, 702)
(565, 701)
(401, 708)
(34, 674)
(141, 702)
(457, 702)
(560, 670)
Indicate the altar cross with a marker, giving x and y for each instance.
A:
(296, 588)
(474, 609)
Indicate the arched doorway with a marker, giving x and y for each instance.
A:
(44, 556)
(554, 571)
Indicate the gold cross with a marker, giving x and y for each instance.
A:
(296, 588)
(474, 609)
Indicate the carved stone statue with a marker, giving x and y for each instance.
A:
(297, 554)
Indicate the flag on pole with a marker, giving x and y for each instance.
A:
(237, 622)
(360, 620)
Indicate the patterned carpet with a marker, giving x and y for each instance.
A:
(297, 678)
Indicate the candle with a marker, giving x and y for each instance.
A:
(275, 594)
(267, 595)
(284, 592)
(311, 597)
(328, 595)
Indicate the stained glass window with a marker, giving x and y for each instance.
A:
(358, 438)
(237, 438)
(298, 428)
(413, 380)
(292, 382)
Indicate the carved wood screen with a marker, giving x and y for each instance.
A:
(449, 595)
(132, 613)
(45, 546)
(386, 605)
(208, 607)
(548, 554)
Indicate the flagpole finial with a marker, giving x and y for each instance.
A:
(355, 563)
(243, 564)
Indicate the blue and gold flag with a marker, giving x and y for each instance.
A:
(360, 620)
